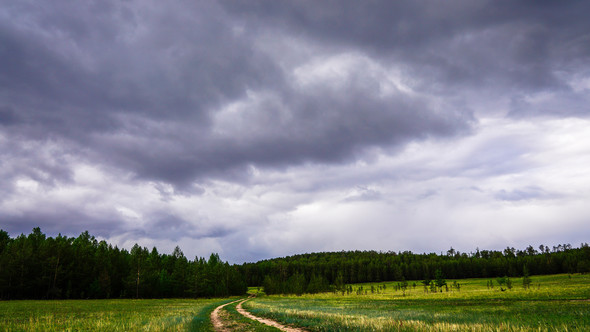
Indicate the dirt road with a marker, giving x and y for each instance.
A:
(267, 321)
(216, 320)
(220, 327)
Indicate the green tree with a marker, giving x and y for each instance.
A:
(526, 280)
(505, 280)
(426, 283)
(138, 262)
(317, 284)
(296, 284)
(439, 280)
(179, 273)
(404, 286)
(270, 285)
(339, 285)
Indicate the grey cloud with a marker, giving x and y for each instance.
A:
(324, 126)
(120, 80)
(44, 162)
(73, 72)
(497, 46)
(164, 225)
(76, 73)
(167, 193)
(139, 70)
(158, 61)
(364, 194)
(159, 224)
(560, 104)
(8, 116)
(428, 194)
(524, 194)
(185, 93)
(70, 222)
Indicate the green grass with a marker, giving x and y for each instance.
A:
(236, 322)
(553, 303)
(108, 315)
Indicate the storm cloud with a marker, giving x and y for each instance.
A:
(241, 126)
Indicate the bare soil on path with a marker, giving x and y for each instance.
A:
(220, 327)
(217, 321)
(267, 321)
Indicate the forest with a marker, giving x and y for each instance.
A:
(338, 268)
(41, 267)
(37, 266)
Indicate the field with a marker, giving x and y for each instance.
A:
(108, 315)
(552, 303)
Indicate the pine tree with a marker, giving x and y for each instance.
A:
(526, 280)
(439, 279)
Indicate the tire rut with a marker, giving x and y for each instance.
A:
(217, 321)
(267, 321)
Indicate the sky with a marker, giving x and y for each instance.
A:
(260, 129)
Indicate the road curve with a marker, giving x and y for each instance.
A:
(217, 322)
(266, 321)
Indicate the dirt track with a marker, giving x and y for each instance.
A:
(267, 321)
(219, 327)
(217, 322)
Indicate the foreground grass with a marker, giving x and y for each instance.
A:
(553, 303)
(108, 315)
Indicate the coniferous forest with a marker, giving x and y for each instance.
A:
(41, 267)
(37, 266)
(279, 275)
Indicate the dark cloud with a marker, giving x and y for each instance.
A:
(76, 70)
(138, 85)
(170, 227)
(67, 221)
(177, 96)
(494, 45)
(8, 116)
(79, 67)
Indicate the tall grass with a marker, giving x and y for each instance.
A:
(553, 303)
(108, 315)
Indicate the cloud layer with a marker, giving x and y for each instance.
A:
(257, 129)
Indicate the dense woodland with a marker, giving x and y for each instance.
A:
(337, 268)
(316, 271)
(41, 267)
(36, 266)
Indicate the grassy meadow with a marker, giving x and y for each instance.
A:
(552, 303)
(108, 315)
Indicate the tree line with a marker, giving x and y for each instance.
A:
(40, 267)
(36, 266)
(348, 267)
